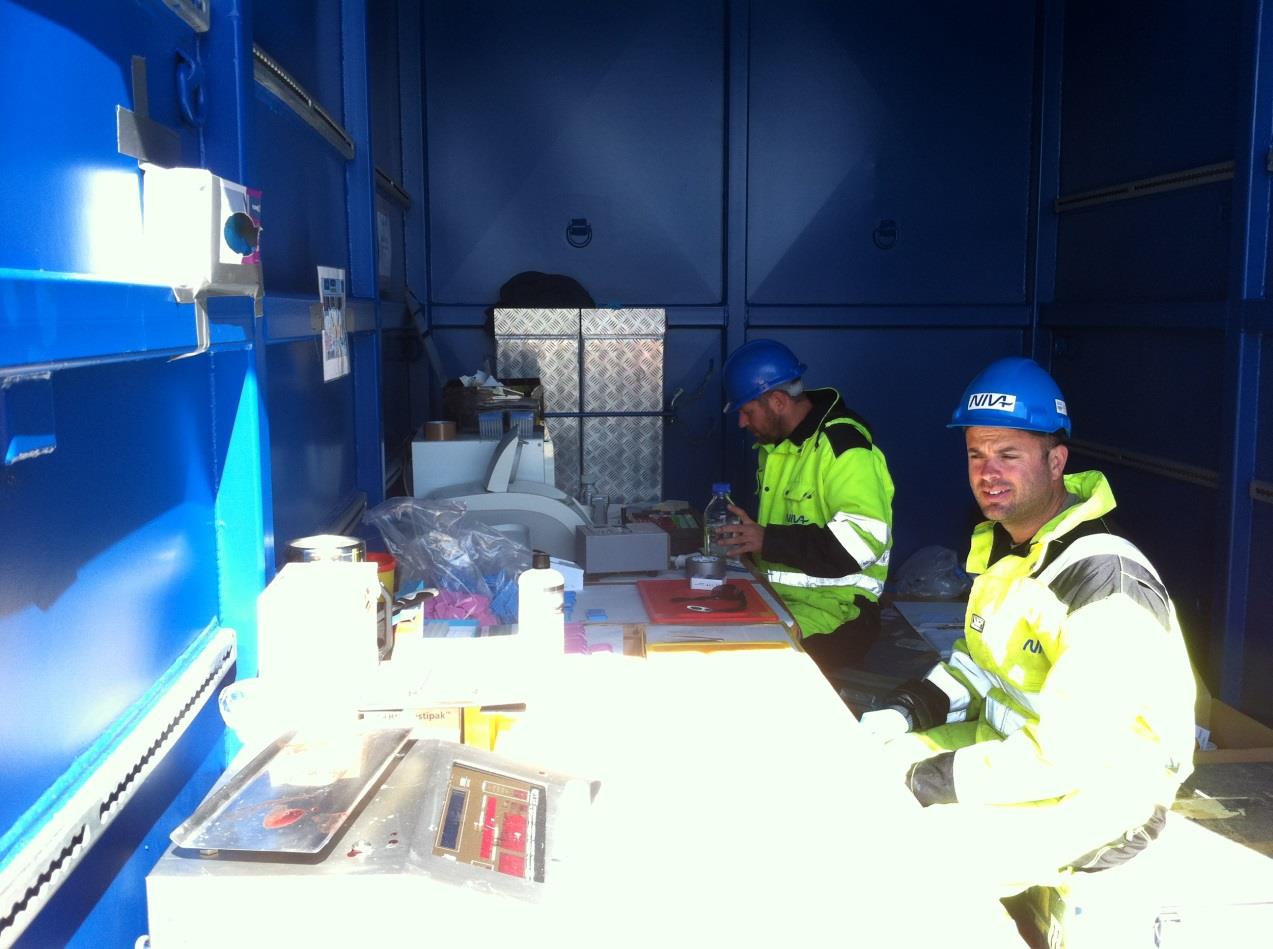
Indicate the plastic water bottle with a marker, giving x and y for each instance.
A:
(540, 607)
(715, 516)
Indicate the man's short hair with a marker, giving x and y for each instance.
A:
(1052, 439)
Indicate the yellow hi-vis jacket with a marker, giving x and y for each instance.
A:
(826, 503)
(1072, 667)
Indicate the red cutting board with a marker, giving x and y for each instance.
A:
(657, 595)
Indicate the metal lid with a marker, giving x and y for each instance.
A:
(326, 547)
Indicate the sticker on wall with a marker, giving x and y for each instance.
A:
(331, 291)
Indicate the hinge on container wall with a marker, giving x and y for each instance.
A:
(271, 75)
(1268, 160)
(47, 842)
(195, 13)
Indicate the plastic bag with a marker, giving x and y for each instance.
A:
(932, 573)
(438, 545)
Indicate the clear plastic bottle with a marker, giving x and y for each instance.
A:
(540, 607)
(715, 516)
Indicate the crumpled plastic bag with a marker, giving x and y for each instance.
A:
(932, 573)
(438, 545)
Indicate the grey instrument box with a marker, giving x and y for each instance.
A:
(636, 548)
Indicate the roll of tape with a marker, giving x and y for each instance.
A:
(439, 431)
(705, 567)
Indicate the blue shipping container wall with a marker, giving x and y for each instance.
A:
(900, 194)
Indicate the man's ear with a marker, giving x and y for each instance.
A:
(779, 401)
(1057, 458)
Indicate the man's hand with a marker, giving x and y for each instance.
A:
(745, 538)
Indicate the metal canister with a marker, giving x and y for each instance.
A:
(326, 547)
(337, 547)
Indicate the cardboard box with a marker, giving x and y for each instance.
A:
(1237, 737)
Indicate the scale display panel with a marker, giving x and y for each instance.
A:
(493, 821)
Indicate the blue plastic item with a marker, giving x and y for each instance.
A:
(1013, 392)
(490, 424)
(522, 421)
(755, 368)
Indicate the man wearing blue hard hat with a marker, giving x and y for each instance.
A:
(1062, 725)
(824, 528)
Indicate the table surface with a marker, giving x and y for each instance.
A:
(739, 802)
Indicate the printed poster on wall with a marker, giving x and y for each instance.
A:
(331, 291)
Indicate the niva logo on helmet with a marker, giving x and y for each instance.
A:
(997, 401)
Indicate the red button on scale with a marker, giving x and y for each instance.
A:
(488, 830)
(513, 864)
(513, 833)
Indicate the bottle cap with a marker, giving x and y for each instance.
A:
(539, 560)
(720, 487)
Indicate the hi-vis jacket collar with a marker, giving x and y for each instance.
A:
(1096, 499)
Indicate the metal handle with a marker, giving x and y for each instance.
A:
(384, 635)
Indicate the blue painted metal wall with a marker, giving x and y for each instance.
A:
(875, 187)
(1150, 294)
(155, 513)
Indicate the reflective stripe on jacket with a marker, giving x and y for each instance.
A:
(828, 491)
(1072, 664)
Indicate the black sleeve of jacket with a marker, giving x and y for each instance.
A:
(810, 549)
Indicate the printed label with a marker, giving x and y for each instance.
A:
(996, 401)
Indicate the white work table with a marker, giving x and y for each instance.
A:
(739, 803)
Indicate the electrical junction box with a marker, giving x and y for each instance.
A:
(636, 548)
(202, 237)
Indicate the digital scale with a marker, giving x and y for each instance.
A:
(365, 836)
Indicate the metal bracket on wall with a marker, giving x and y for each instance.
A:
(27, 428)
(390, 190)
(195, 13)
(267, 71)
(137, 134)
(56, 832)
(1163, 467)
(1173, 181)
(202, 333)
(1262, 491)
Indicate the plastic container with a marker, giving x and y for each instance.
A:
(715, 516)
(490, 424)
(386, 567)
(599, 508)
(540, 607)
(521, 421)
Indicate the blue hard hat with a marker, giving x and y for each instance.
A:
(755, 368)
(1013, 392)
